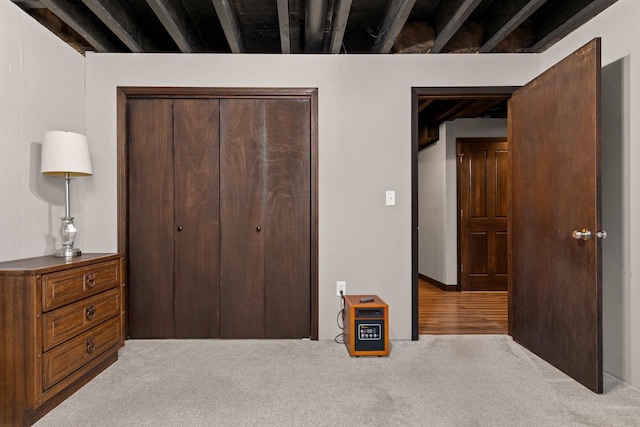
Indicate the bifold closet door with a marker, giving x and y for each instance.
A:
(265, 218)
(196, 147)
(173, 235)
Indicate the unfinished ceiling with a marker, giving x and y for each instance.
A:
(312, 26)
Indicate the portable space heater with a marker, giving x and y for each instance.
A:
(366, 325)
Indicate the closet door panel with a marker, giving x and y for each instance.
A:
(196, 227)
(151, 248)
(242, 246)
(288, 230)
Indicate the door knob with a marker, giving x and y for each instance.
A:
(180, 228)
(601, 234)
(258, 229)
(584, 234)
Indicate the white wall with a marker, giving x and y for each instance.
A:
(41, 88)
(437, 196)
(432, 201)
(364, 149)
(617, 26)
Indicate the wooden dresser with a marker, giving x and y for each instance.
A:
(61, 324)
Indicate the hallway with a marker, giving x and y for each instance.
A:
(476, 312)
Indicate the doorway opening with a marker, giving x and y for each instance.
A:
(555, 221)
(430, 108)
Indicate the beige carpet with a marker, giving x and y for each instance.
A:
(437, 381)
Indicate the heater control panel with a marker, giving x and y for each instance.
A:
(369, 332)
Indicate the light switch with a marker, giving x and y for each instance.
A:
(391, 198)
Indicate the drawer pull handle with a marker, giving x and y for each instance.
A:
(90, 279)
(91, 345)
(91, 312)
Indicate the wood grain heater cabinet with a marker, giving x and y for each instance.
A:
(366, 325)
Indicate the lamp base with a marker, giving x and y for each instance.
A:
(67, 252)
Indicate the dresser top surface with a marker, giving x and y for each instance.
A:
(38, 264)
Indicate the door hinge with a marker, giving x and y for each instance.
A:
(461, 268)
(461, 214)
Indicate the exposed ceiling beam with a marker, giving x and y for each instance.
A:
(83, 22)
(54, 24)
(424, 104)
(283, 22)
(573, 14)
(396, 14)
(178, 24)
(452, 112)
(122, 21)
(503, 18)
(29, 4)
(342, 9)
(229, 20)
(450, 15)
(478, 108)
(314, 19)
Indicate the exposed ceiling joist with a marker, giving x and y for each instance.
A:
(229, 21)
(29, 4)
(477, 108)
(318, 26)
(503, 19)
(314, 20)
(424, 104)
(453, 112)
(122, 21)
(566, 19)
(396, 15)
(342, 9)
(449, 18)
(83, 22)
(67, 34)
(178, 24)
(283, 23)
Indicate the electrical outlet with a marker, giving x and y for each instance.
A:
(341, 286)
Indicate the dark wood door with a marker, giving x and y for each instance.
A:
(265, 216)
(197, 229)
(173, 218)
(288, 220)
(151, 218)
(483, 201)
(243, 152)
(556, 287)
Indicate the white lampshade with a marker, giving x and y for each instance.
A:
(65, 152)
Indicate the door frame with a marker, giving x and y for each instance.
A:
(469, 92)
(124, 93)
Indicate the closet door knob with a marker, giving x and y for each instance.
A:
(258, 229)
(180, 228)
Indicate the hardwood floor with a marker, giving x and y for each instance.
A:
(474, 312)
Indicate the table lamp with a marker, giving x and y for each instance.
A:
(66, 154)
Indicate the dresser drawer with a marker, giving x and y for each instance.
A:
(68, 286)
(72, 355)
(66, 322)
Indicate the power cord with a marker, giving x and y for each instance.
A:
(339, 339)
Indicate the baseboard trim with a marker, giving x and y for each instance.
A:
(438, 284)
